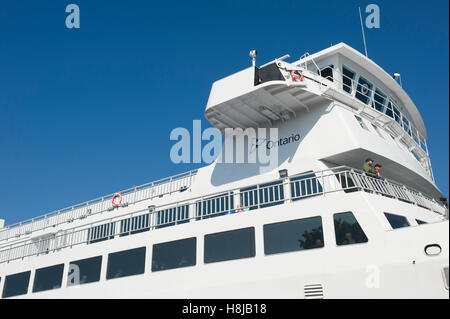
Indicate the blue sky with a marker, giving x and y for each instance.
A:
(87, 112)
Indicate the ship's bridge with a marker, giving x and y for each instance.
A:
(278, 91)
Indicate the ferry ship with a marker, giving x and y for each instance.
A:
(313, 226)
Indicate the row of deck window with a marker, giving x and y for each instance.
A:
(280, 237)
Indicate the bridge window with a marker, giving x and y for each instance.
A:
(377, 130)
(389, 112)
(126, 263)
(327, 72)
(294, 235)
(364, 90)
(396, 221)
(84, 271)
(420, 222)
(361, 122)
(397, 115)
(406, 127)
(348, 77)
(48, 278)
(174, 254)
(379, 100)
(304, 186)
(16, 285)
(230, 245)
(347, 229)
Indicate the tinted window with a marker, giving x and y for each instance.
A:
(396, 221)
(293, 235)
(347, 229)
(361, 122)
(174, 254)
(377, 130)
(126, 263)
(347, 79)
(327, 72)
(84, 271)
(229, 245)
(16, 284)
(48, 278)
(364, 90)
(389, 111)
(420, 222)
(380, 100)
(397, 115)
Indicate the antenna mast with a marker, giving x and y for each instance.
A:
(362, 28)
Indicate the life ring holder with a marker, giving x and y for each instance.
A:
(299, 74)
(116, 205)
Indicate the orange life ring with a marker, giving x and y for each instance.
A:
(114, 199)
(295, 78)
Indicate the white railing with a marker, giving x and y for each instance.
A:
(130, 196)
(294, 188)
(388, 109)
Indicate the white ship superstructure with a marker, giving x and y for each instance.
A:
(315, 226)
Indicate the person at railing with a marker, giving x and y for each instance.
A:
(368, 168)
(377, 169)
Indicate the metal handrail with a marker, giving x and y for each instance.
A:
(411, 132)
(43, 221)
(354, 84)
(294, 188)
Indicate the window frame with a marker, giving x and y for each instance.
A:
(359, 224)
(115, 253)
(296, 250)
(36, 278)
(378, 92)
(5, 281)
(352, 80)
(361, 122)
(252, 245)
(369, 88)
(173, 242)
(73, 262)
(396, 215)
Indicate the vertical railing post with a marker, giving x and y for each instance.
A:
(286, 190)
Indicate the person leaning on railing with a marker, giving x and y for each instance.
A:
(377, 169)
(368, 168)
